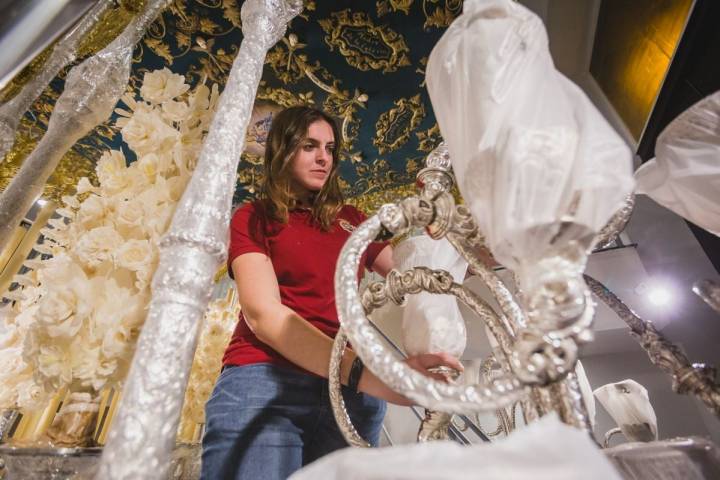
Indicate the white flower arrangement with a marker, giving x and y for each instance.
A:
(218, 326)
(79, 313)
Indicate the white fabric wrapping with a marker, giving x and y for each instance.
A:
(628, 404)
(432, 323)
(544, 450)
(528, 148)
(684, 176)
(586, 391)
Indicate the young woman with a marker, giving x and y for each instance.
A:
(269, 413)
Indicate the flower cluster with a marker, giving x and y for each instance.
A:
(81, 311)
(18, 386)
(218, 325)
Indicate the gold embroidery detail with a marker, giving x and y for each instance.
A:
(231, 12)
(442, 12)
(215, 65)
(364, 45)
(429, 139)
(368, 203)
(283, 97)
(394, 126)
(384, 6)
(289, 66)
(251, 177)
(308, 6)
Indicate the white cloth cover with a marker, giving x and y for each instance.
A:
(432, 323)
(528, 148)
(544, 450)
(586, 391)
(628, 404)
(684, 176)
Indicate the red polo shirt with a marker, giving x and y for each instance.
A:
(304, 258)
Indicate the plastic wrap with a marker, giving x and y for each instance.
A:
(539, 167)
(684, 176)
(544, 450)
(432, 323)
(628, 404)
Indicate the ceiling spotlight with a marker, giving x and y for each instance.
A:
(656, 294)
(659, 295)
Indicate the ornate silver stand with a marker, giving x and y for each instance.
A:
(682, 458)
(537, 357)
(48, 463)
(82, 463)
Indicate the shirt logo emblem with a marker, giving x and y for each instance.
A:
(347, 226)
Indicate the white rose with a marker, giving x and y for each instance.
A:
(117, 342)
(158, 219)
(162, 85)
(134, 254)
(97, 245)
(146, 132)
(58, 306)
(111, 170)
(53, 362)
(118, 305)
(200, 98)
(148, 164)
(91, 212)
(175, 111)
(12, 361)
(31, 395)
(26, 318)
(129, 212)
(137, 182)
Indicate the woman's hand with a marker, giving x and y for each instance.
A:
(425, 361)
(372, 385)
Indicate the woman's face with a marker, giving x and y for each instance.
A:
(312, 162)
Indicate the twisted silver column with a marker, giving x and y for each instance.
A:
(616, 224)
(709, 291)
(141, 441)
(91, 91)
(62, 54)
(697, 378)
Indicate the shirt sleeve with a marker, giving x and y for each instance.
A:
(374, 248)
(245, 235)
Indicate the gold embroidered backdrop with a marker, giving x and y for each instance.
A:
(363, 62)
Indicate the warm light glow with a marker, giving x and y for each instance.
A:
(634, 44)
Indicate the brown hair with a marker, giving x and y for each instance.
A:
(289, 128)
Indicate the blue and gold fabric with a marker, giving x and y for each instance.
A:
(362, 62)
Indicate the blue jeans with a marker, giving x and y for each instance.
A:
(265, 422)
